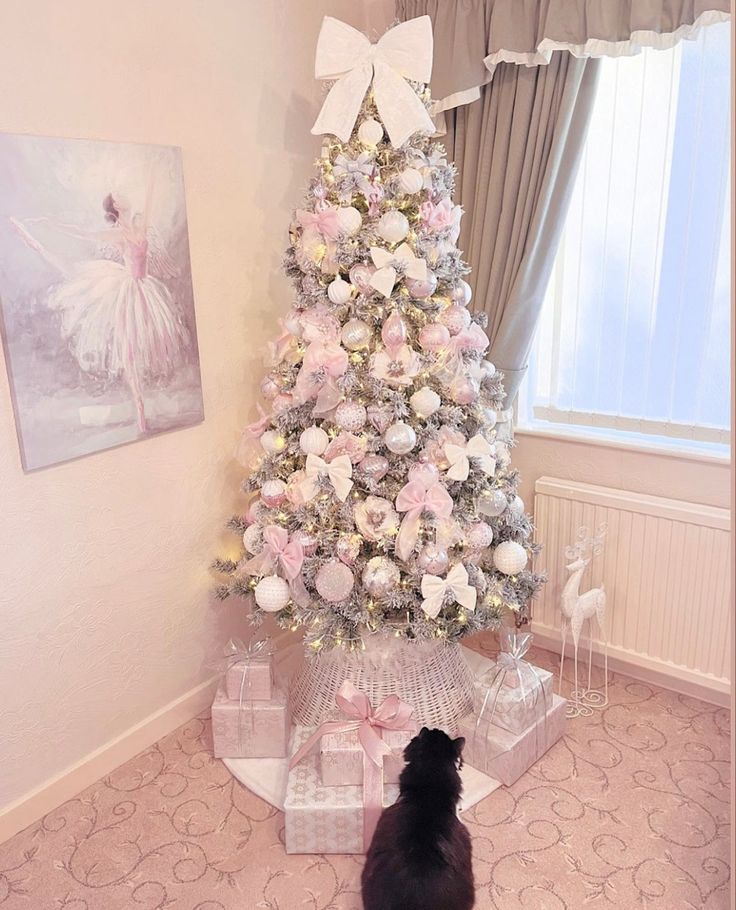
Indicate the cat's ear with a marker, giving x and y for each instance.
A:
(459, 745)
(424, 731)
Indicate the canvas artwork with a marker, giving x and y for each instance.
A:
(96, 295)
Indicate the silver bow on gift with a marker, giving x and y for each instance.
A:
(344, 54)
(236, 651)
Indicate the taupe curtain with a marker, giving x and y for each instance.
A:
(516, 82)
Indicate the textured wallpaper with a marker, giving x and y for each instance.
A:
(105, 610)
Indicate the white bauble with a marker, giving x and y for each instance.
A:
(393, 226)
(272, 594)
(313, 440)
(510, 557)
(370, 132)
(339, 291)
(356, 334)
(350, 415)
(293, 322)
(425, 402)
(488, 368)
(462, 293)
(491, 503)
(400, 438)
(334, 581)
(273, 442)
(273, 493)
(349, 220)
(410, 180)
(253, 539)
(517, 506)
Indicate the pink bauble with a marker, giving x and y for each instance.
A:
(348, 548)
(269, 388)
(309, 541)
(464, 390)
(334, 581)
(421, 288)
(360, 276)
(433, 337)
(393, 333)
(400, 438)
(282, 402)
(380, 416)
(256, 511)
(462, 293)
(380, 576)
(350, 415)
(479, 535)
(455, 318)
(272, 442)
(425, 473)
(374, 466)
(432, 559)
(273, 493)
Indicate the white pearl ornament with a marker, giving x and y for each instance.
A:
(334, 581)
(272, 594)
(313, 440)
(340, 291)
(510, 557)
(370, 132)
(425, 402)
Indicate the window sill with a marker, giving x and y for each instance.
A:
(648, 447)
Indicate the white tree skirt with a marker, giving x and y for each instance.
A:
(266, 777)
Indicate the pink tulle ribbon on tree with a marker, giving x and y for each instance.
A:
(324, 222)
(283, 553)
(415, 498)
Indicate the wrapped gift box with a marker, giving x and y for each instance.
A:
(506, 755)
(258, 684)
(519, 703)
(258, 729)
(321, 819)
(341, 757)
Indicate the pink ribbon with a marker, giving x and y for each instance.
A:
(391, 714)
(277, 550)
(324, 222)
(322, 361)
(415, 498)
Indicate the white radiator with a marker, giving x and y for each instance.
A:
(666, 569)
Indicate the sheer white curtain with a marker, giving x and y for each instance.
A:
(634, 334)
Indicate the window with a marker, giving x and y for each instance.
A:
(634, 336)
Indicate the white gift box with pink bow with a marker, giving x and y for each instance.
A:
(341, 757)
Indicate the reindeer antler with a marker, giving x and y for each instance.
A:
(587, 546)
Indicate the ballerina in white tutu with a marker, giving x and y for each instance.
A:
(120, 320)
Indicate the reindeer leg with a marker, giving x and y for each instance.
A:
(563, 631)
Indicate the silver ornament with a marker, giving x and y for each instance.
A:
(433, 559)
(334, 581)
(350, 415)
(400, 438)
(374, 466)
(380, 576)
(356, 334)
(491, 503)
(348, 548)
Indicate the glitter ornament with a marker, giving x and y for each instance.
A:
(349, 220)
(356, 334)
(425, 402)
(393, 226)
(273, 493)
(455, 319)
(334, 581)
(434, 337)
(517, 506)
(309, 541)
(393, 333)
(410, 181)
(370, 133)
(400, 438)
(339, 291)
(464, 390)
(462, 293)
(272, 594)
(380, 416)
(374, 466)
(510, 557)
(491, 503)
(479, 535)
(433, 559)
(422, 287)
(350, 415)
(313, 441)
(360, 276)
(348, 548)
(253, 539)
(272, 442)
(380, 576)
(269, 388)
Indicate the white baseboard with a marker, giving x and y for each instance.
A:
(57, 790)
(642, 667)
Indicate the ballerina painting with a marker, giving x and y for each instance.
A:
(96, 295)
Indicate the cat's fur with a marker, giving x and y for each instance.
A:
(420, 856)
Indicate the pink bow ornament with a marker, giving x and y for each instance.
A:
(286, 555)
(390, 264)
(338, 472)
(322, 361)
(477, 448)
(435, 589)
(414, 499)
(323, 221)
(391, 714)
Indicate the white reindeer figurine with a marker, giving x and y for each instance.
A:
(577, 608)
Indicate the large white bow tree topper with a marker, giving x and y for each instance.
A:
(379, 404)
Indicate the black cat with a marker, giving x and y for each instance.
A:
(420, 856)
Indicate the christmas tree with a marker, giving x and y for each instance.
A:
(382, 500)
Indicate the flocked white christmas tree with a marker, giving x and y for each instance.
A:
(382, 500)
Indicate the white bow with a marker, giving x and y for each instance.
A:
(385, 261)
(459, 457)
(434, 589)
(339, 471)
(404, 52)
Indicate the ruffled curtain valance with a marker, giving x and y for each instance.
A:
(471, 37)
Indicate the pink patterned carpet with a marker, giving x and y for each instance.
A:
(630, 810)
